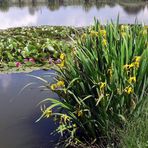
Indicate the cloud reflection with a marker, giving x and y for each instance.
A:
(17, 17)
(5, 81)
(69, 15)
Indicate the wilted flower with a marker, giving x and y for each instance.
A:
(133, 104)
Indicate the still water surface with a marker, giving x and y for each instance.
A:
(18, 113)
(70, 13)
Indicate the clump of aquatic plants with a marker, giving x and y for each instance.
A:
(33, 46)
(102, 84)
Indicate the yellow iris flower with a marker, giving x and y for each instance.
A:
(62, 64)
(104, 42)
(64, 118)
(102, 85)
(103, 33)
(124, 27)
(94, 33)
(137, 58)
(53, 86)
(129, 90)
(46, 112)
(132, 80)
(62, 56)
(83, 37)
(59, 84)
(79, 112)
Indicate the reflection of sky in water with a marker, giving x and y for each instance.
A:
(4, 83)
(70, 15)
(18, 112)
(17, 17)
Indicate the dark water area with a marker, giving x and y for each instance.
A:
(19, 111)
(16, 13)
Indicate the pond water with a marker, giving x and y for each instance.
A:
(14, 13)
(19, 111)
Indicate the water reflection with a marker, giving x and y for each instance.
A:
(5, 84)
(53, 5)
(18, 113)
(17, 17)
(69, 12)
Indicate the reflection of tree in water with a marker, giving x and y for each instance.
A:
(34, 3)
(4, 7)
(54, 4)
(33, 7)
(130, 6)
(32, 10)
(87, 5)
(135, 9)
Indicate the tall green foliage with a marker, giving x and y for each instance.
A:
(102, 83)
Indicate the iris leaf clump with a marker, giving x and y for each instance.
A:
(102, 84)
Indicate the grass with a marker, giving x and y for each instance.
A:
(135, 134)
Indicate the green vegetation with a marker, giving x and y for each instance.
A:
(102, 84)
(101, 79)
(136, 132)
(36, 46)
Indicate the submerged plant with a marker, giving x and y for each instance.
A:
(102, 84)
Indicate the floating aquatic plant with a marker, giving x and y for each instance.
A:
(34, 46)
